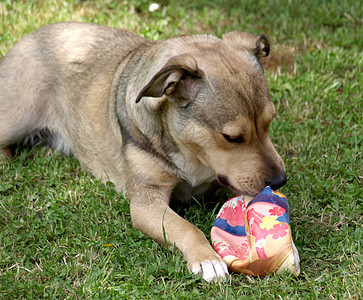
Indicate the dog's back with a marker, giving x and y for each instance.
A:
(64, 60)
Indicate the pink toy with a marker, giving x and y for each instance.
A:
(253, 235)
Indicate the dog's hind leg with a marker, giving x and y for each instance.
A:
(20, 114)
(5, 154)
(26, 94)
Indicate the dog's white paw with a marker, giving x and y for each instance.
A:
(211, 270)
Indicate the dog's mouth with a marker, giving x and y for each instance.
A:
(275, 184)
(223, 181)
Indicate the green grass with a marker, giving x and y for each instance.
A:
(65, 235)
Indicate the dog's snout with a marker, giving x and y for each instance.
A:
(277, 182)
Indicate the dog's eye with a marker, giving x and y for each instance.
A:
(238, 139)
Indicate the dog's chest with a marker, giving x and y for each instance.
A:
(192, 170)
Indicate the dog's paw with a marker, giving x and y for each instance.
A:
(211, 270)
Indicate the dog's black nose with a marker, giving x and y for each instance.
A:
(277, 182)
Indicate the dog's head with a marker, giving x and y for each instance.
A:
(215, 107)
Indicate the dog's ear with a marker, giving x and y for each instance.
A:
(258, 45)
(167, 79)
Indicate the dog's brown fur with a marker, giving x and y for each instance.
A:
(152, 117)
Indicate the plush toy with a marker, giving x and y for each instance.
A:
(253, 235)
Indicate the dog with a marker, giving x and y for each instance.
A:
(152, 117)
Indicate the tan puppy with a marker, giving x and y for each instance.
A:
(152, 117)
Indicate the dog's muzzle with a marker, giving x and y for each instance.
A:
(277, 182)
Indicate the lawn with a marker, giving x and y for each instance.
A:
(65, 235)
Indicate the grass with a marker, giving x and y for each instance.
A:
(65, 235)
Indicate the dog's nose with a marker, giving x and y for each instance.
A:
(277, 182)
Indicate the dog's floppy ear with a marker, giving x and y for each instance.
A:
(166, 80)
(258, 45)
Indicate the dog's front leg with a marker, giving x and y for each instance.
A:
(158, 221)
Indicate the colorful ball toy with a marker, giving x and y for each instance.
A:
(253, 235)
